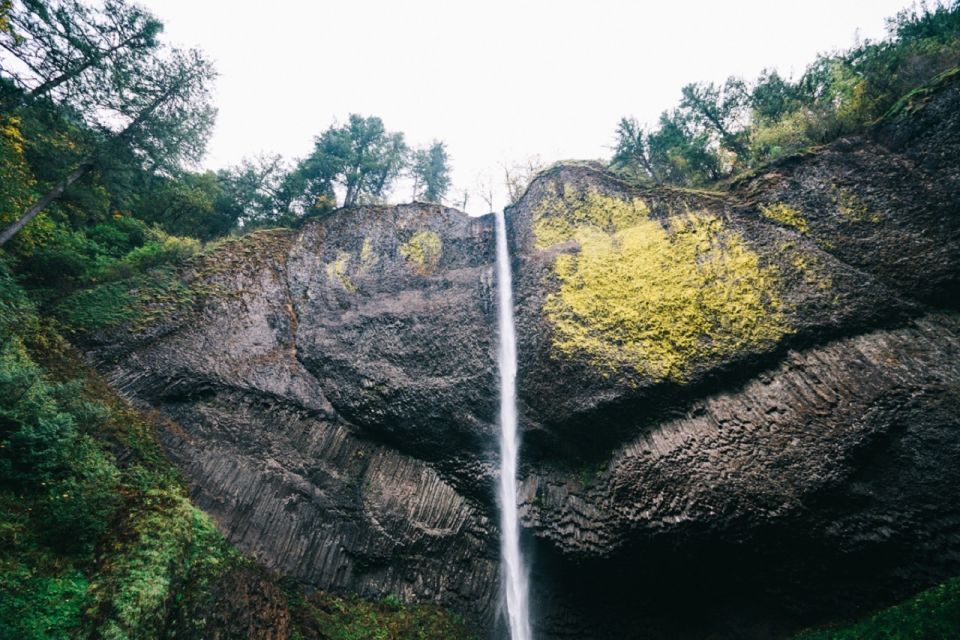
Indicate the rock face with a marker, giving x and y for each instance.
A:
(741, 409)
(317, 397)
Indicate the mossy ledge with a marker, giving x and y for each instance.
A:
(138, 301)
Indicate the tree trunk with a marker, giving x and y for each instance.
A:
(84, 167)
(42, 204)
(51, 84)
(645, 161)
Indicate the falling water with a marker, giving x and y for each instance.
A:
(514, 574)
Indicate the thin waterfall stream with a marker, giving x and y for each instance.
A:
(513, 570)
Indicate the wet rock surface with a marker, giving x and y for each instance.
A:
(740, 408)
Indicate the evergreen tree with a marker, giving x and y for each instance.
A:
(69, 52)
(361, 157)
(430, 169)
(161, 117)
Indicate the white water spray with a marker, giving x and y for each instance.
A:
(514, 573)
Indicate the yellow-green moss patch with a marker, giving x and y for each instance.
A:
(338, 271)
(786, 215)
(810, 267)
(423, 252)
(368, 257)
(557, 218)
(660, 300)
(851, 207)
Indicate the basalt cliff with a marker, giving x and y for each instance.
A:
(740, 409)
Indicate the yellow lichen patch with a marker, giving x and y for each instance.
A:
(368, 258)
(338, 271)
(851, 207)
(557, 218)
(422, 252)
(664, 300)
(786, 215)
(810, 267)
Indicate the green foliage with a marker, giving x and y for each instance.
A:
(161, 250)
(361, 156)
(680, 154)
(259, 192)
(17, 312)
(717, 112)
(134, 591)
(139, 301)
(930, 615)
(71, 53)
(718, 131)
(47, 455)
(16, 181)
(89, 548)
(323, 615)
(100, 96)
(119, 236)
(41, 596)
(430, 169)
(193, 204)
(633, 153)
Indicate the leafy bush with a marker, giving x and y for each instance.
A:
(62, 258)
(44, 455)
(17, 312)
(120, 236)
(930, 615)
(160, 250)
(40, 597)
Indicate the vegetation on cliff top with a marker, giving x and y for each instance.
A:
(719, 131)
(92, 95)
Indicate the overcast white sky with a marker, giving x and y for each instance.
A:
(497, 80)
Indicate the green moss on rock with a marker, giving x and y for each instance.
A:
(660, 300)
(813, 272)
(324, 615)
(851, 208)
(422, 252)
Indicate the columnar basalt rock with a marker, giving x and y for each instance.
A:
(741, 409)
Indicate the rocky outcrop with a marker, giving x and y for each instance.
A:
(311, 394)
(740, 409)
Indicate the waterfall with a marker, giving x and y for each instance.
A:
(513, 571)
